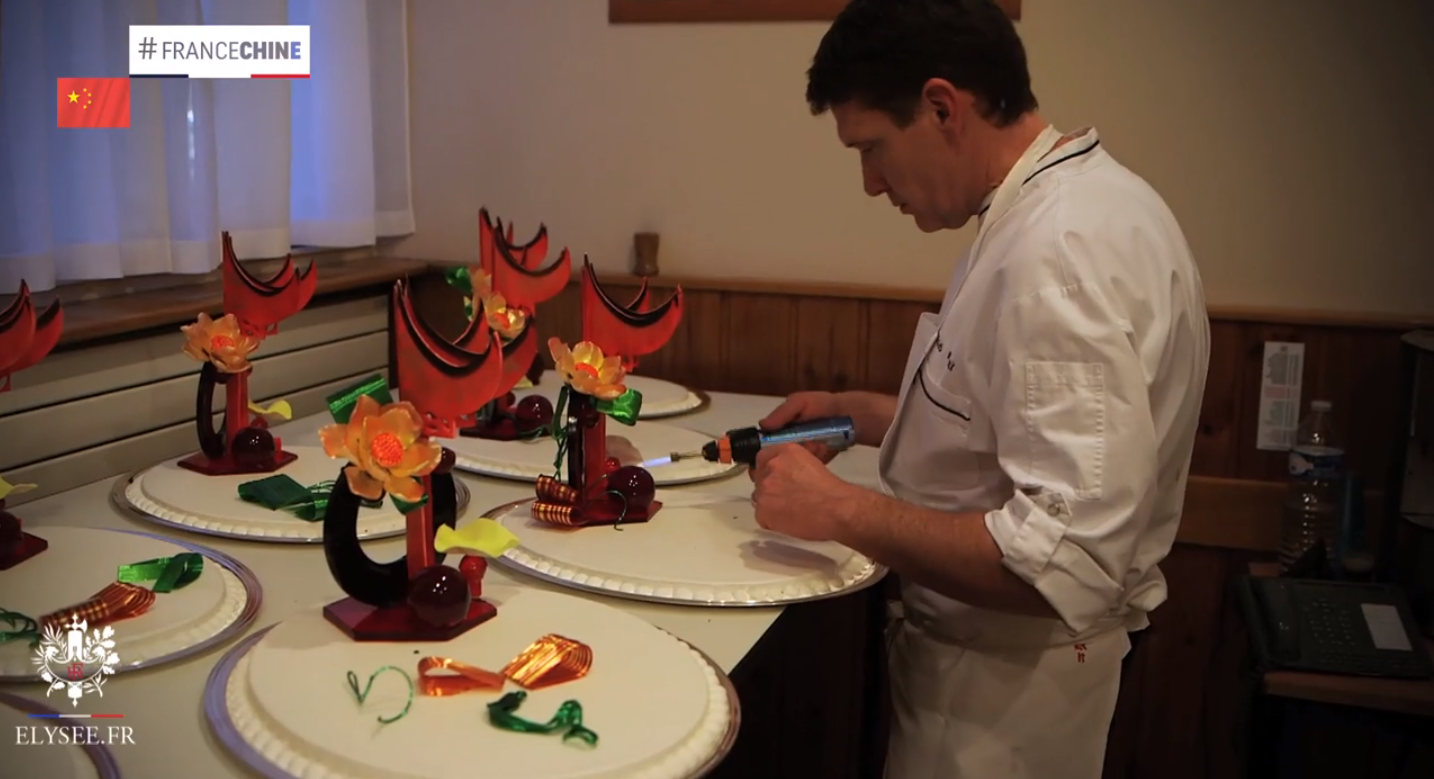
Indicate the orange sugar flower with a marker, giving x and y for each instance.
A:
(586, 370)
(219, 341)
(505, 321)
(386, 448)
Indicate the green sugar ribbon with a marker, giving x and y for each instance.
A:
(460, 279)
(281, 492)
(624, 408)
(21, 627)
(362, 694)
(404, 506)
(341, 404)
(167, 573)
(569, 717)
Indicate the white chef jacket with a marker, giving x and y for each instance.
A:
(1064, 389)
(1060, 395)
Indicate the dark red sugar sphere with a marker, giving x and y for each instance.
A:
(253, 447)
(635, 485)
(533, 412)
(439, 596)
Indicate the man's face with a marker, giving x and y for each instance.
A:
(914, 167)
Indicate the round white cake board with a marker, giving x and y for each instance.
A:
(699, 550)
(661, 709)
(169, 495)
(80, 562)
(527, 460)
(660, 398)
(40, 756)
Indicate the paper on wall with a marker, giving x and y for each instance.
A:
(1280, 383)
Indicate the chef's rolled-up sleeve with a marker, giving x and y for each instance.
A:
(1074, 433)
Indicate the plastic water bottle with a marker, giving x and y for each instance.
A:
(1312, 503)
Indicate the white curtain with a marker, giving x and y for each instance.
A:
(322, 161)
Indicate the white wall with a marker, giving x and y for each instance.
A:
(1294, 139)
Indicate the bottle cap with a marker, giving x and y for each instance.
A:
(1320, 405)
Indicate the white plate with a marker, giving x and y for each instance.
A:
(527, 460)
(281, 705)
(82, 561)
(660, 398)
(169, 495)
(700, 549)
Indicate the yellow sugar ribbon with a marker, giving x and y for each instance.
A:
(7, 489)
(482, 536)
(279, 408)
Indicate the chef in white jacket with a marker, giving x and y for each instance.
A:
(1033, 466)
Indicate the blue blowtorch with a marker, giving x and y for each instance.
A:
(741, 446)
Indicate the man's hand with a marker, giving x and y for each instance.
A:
(801, 407)
(796, 495)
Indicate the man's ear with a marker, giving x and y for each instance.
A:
(944, 100)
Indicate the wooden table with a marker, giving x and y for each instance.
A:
(808, 675)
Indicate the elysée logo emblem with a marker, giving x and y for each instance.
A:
(75, 661)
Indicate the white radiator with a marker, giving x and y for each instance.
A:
(102, 411)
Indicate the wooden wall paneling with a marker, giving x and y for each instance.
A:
(761, 332)
(1178, 699)
(1231, 684)
(560, 317)
(1217, 444)
(698, 353)
(1358, 374)
(811, 691)
(830, 344)
(891, 326)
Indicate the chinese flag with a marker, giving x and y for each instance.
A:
(92, 102)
